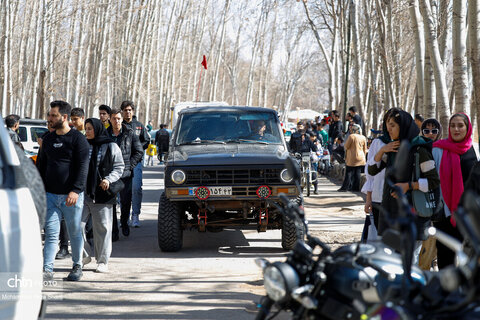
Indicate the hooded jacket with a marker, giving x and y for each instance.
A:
(105, 163)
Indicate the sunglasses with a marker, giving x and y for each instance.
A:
(428, 131)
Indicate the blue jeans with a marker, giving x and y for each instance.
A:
(56, 209)
(137, 188)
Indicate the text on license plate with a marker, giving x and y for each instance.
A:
(214, 191)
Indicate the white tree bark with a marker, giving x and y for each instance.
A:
(474, 35)
(417, 27)
(356, 60)
(460, 69)
(437, 65)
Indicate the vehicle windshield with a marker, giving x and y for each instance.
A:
(229, 127)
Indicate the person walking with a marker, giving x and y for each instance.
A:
(375, 175)
(295, 142)
(454, 160)
(77, 118)
(401, 127)
(12, 122)
(431, 129)
(419, 120)
(105, 168)
(63, 165)
(104, 112)
(335, 130)
(162, 140)
(132, 153)
(355, 159)
(353, 111)
(131, 121)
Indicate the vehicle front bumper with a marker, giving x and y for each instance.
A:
(245, 192)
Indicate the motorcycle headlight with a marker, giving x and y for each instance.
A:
(279, 280)
(285, 176)
(178, 177)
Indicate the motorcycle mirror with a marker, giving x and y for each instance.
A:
(293, 168)
(471, 203)
(393, 239)
(401, 160)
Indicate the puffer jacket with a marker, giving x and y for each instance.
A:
(130, 146)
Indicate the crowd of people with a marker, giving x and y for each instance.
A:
(438, 170)
(88, 166)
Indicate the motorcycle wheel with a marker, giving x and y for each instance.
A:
(308, 185)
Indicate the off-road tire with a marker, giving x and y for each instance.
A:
(289, 233)
(169, 225)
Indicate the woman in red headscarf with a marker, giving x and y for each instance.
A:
(454, 159)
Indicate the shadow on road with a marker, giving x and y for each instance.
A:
(143, 243)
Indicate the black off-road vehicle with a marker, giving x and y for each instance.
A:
(223, 165)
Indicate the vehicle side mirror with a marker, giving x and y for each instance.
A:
(471, 203)
(293, 168)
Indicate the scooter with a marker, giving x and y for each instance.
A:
(372, 281)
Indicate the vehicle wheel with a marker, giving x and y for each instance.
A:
(169, 225)
(289, 234)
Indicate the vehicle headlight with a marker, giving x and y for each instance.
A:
(279, 280)
(285, 176)
(178, 176)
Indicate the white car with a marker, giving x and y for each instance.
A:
(29, 131)
(21, 276)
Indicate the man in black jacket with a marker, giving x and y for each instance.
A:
(335, 130)
(295, 143)
(162, 140)
(132, 153)
(63, 165)
(131, 121)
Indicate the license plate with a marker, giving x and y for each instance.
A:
(214, 191)
(306, 158)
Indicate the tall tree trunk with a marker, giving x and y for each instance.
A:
(438, 65)
(417, 26)
(371, 67)
(356, 60)
(460, 70)
(474, 34)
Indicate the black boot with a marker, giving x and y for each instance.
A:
(62, 253)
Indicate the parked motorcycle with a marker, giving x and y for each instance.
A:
(308, 175)
(372, 281)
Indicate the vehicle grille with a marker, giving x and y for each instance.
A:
(233, 177)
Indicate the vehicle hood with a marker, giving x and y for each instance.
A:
(229, 154)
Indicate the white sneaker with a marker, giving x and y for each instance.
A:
(102, 268)
(86, 260)
(135, 221)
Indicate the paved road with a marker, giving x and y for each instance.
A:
(213, 277)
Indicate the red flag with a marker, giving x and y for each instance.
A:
(204, 62)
